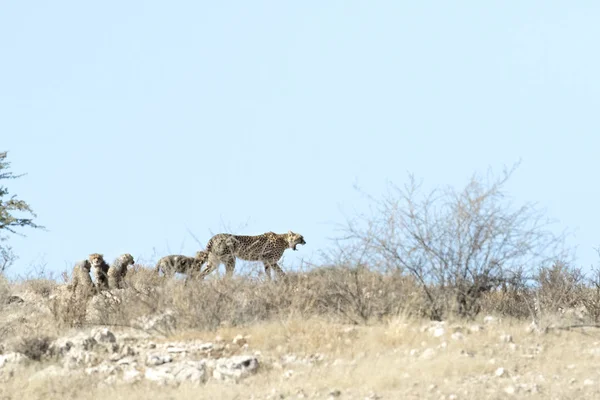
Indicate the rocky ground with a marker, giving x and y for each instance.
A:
(294, 358)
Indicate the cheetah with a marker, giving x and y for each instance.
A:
(118, 270)
(177, 263)
(81, 280)
(267, 248)
(100, 270)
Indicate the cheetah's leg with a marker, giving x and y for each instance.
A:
(268, 265)
(229, 267)
(211, 265)
(278, 270)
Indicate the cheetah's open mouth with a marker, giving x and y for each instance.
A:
(296, 244)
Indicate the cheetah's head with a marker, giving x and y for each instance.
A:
(86, 266)
(128, 259)
(294, 239)
(96, 259)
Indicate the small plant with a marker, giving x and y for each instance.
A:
(34, 347)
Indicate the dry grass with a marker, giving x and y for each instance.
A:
(351, 330)
(389, 359)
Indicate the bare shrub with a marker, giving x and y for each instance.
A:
(591, 294)
(4, 291)
(560, 286)
(457, 244)
(69, 309)
(358, 295)
(43, 287)
(514, 298)
(34, 347)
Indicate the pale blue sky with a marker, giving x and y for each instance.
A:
(137, 121)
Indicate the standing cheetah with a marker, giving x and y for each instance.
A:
(118, 270)
(267, 248)
(100, 270)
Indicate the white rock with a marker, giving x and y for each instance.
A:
(588, 382)
(437, 332)
(175, 373)
(103, 335)
(131, 375)
(488, 319)
(158, 359)
(288, 374)
(129, 360)
(13, 358)
(79, 342)
(164, 322)
(239, 340)
(510, 390)
(475, 328)
(176, 349)
(457, 336)
(206, 346)
(428, 354)
(235, 368)
(104, 369)
(77, 359)
(500, 372)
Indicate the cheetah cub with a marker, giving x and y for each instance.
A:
(81, 280)
(118, 270)
(177, 263)
(100, 270)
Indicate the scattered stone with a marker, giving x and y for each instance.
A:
(129, 360)
(176, 349)
(372, 396)
(158, 359)
(457, 336)
(588, 382)
(500, 372)
(335, 393)
(488, 319)
(475, 328)
(288, 374)
(239, 340)
(103, 335)
(510, 390)
(437, 332)
(176, 373)
(13, 358)
(206, 346)
(235, 368)
(428, 354)
(131, 376)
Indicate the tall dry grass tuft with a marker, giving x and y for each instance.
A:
(338, 294)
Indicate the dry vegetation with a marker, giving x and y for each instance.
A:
(362, 333)
(451, 294)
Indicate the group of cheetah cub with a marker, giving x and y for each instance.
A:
(222, 248)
